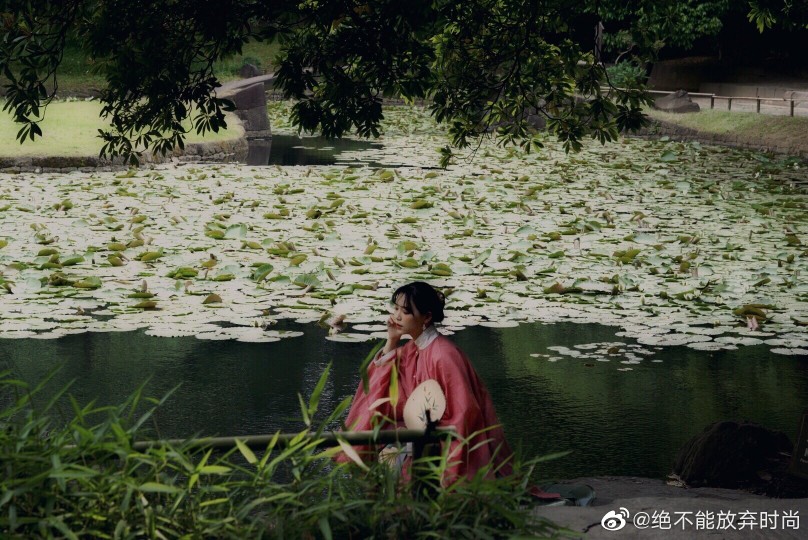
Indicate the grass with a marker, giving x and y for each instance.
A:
(71, 129)
(788, 130)
(77, 77)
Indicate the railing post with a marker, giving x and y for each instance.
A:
(712, 101)
(792, 106)
(729, 104)
(758, 105)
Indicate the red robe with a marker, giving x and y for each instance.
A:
(468, 405)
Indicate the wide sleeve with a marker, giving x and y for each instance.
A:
(469, 409)
(369, 408)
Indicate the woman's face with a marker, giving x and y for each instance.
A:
(408, 319)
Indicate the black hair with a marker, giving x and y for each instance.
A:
(424, 297)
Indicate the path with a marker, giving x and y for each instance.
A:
(697, 512)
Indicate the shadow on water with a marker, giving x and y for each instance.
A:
(616, 422)
(294, 150)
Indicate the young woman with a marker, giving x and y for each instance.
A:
(416, 307)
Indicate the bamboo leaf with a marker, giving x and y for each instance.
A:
(246, 452)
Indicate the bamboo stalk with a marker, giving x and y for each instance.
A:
(329, 438)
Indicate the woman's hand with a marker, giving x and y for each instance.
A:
(394, 333)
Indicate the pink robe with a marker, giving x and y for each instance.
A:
(468, 406)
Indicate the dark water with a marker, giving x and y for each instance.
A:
(626, 423)
(293, 150)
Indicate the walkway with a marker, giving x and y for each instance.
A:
(674, 512)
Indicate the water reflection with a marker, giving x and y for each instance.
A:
(293, 150)
(628, 423)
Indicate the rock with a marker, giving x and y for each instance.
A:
(248, 71)
(678, 102)
(731, 455)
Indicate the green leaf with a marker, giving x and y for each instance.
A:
(307, 280)
(214, 469)
(262, 272)
(90, 282)
(314, 400)
(148, 256)
(236, 231)
(72, 261)
(156, 487)
(246, 452)
(441, 269)
(409, 262)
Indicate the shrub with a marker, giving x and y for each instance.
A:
(625, 74)
(84, 478)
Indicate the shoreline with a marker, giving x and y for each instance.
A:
(763, 136)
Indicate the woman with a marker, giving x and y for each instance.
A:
(416, 308)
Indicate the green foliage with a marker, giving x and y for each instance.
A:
(626, 74)
(651, 25)
(510, 69)
(83, 477)
(787, 14)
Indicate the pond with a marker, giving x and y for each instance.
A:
(294, 150)
(616, 420)
(214, 275)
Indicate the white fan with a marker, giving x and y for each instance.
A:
(427, 397)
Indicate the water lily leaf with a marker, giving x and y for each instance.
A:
(307, 280)
(524, 230)
(251, 245)
(90, 282)
(668, 156)
(558, 288)
(183, 272)
(764, 281)
(751, 310)
(71, 261)
(407, 245)
(149, 256)
(236, 232)
(224, 277)
(441, 269)
(146, 304)
(420, 203)
(216, 234)
(212, 298)
(409, 262)
(481, 258)
(262, 272)
(627, 256)
(297, 259)
(141, 294)
(45, 252)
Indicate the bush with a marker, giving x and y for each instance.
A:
(626, 74)
(84, 478)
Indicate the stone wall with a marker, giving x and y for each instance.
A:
(250, 98)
